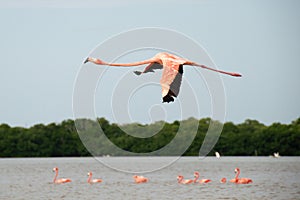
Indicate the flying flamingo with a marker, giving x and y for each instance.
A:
(61, 180)
(196, 175)
(238, 180)
(182, 181)
(91, 181)
(140, 179)
(172, 71)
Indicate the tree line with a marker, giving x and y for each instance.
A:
(71, 137)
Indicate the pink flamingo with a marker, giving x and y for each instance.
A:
(140, 179)
(182, 181)
(238, 180)
(172, 71)
(196, 175)
(223, 180)
(61, 180)
(91, 181)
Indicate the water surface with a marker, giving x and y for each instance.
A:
(31, 178)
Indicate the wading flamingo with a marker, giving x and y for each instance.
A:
(61, 180)
(223, 180)
(196, 175)
(172, 71)
(238, 180)
(91, 181)
(140, 179)
(182, 181)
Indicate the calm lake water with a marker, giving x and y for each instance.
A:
(31, 178)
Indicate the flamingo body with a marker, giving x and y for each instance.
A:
(61, 180)
(244, 181)
(204, 181)
(184, 181)
(91, 181)
(196, 175)
(233, 180)
(140, 179)
(172, 71)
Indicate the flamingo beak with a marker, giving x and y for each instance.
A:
(86, 60)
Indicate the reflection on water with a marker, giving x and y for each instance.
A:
(31, 178)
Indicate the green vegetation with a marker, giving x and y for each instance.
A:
(246, 139)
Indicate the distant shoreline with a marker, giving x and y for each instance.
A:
(250, 138)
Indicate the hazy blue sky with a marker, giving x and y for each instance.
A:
(43, 44)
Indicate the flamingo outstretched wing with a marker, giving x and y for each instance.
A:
(171, 76)
(171, 81)
(150, 68)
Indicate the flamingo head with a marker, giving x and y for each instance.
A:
(55, 169)
(196, 174)
(95, 60)
(236, 170)
(179, 177)
(89, 174)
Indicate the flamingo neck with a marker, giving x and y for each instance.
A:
(129, 64)
(237, 175)
(89, 179)
(196, 178)
(56, 174)
(180, 179)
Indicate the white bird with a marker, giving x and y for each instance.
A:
(217, 154)
(276, 155)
